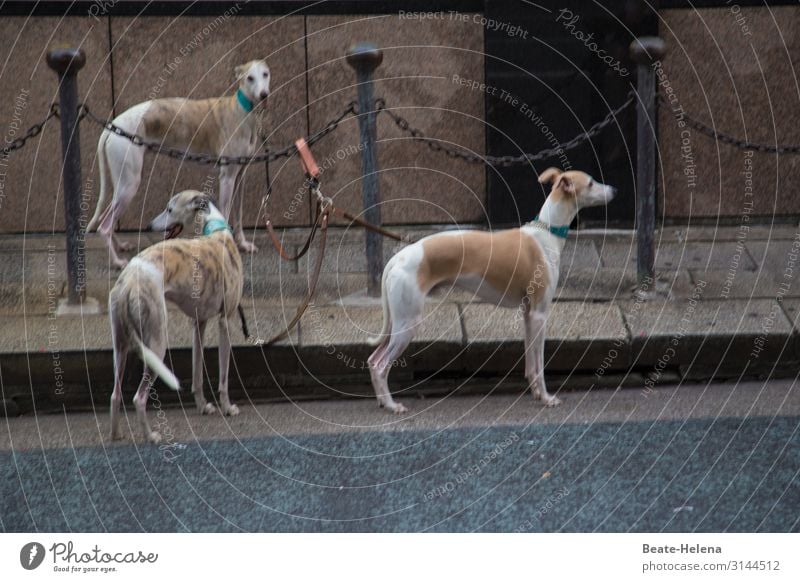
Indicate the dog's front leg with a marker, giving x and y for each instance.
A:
(203, 407)
(535, 323)
(228, 409)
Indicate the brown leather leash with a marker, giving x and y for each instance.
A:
(320, 225)
(324, 209)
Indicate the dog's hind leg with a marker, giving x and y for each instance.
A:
(203, 407)
(102, 167)
(228, 409)
(120, 355)
(125, 165)
(405, 304)
(140, 403)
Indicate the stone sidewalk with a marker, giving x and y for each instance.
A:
(724, 306)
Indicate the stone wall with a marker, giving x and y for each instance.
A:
(131, 59)
(731, 66)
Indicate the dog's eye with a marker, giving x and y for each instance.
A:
(250, 78)
(169, 210)
(266, 75)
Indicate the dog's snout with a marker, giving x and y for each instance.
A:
(264, 95)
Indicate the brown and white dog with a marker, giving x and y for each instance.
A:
(511, 268)
(202, 276)
(222, 126)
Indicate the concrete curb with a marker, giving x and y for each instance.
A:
(65, 364)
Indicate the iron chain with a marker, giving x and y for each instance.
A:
(33, 131)
(505, 161)
(160, 148)
(743, 144)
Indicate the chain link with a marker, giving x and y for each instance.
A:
(33, 131)
(505, 161)
(743, 144)
(160, 148)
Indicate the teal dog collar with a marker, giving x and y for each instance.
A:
(559, 231)
(246, 104)
(215, 225)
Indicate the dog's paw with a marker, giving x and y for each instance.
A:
(154, 437)
(207, 408)
(125, 245)
(232, 410)
(247, 247)
(552, 401)
(120, 264)
(394, 407)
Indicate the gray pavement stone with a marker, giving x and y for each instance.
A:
(334, 339)
(606, 284)
(674, 256)
(579, 335)
(791, 308)
(744, 284)
(579, 254)
(728, 335)
(779, 258)
(710, 233)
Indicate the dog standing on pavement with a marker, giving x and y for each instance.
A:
(511, 268)
(202, 276)
(223, 126)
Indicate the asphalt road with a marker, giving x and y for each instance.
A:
(689, 458)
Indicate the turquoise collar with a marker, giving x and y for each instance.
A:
(559, 231)
(246, 104)
(215, 225)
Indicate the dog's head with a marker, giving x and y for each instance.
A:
(185, 211)
(577, 189)
(254, 78)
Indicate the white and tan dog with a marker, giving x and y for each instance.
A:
(222, 126)
(202, 276)
(511, 268)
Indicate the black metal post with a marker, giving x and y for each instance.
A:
(645, 51)
(365, 58)
(67, 62)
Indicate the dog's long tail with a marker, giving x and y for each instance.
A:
(156, 364)
(387, 316)
(102, 197)
(139, 320)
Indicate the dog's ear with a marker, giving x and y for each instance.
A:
(200, 202)
(239, 70)
(564, 184)
(549, 175)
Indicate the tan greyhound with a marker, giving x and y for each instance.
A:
(510, 268)
(202, 276)
(222, 126)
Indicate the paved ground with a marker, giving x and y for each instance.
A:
(720, 457)
(724, 306)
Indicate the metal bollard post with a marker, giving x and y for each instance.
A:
(67, 62)
(365, 58)
(644, 51)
